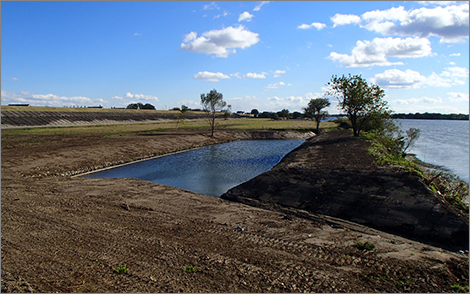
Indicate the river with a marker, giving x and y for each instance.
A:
(444, 143)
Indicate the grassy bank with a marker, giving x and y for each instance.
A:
(443, 183)
(188, 125)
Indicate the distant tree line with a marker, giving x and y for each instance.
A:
(428, 115)
(139, 105)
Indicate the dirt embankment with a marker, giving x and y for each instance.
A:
(63, 234)
(333, 174)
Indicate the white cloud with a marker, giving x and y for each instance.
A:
(455, 54)
(137, 34)
(409, 79)
(345, 19)
(237, 75)
(276, 85)
(48, 99)
(258, 7)
(456, 75)
(457, 97)
(377, 16)
(190, 103)
(278, 73)
(450, 23)
(210, 76)
(375, 53)
(189, 37)
(397, 79)
(434, 80)
(298, 100)
(422, 100)
(251, 75)
(245, 103)
(211, 6)
(245, 16)
(15, 79)
(293, 103)
(220, 42)
(223, 14)
(442, 3)
(455, 72)
(140, 97)
(316, 25)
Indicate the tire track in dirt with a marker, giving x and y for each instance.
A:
(319, 269)
(312, 269)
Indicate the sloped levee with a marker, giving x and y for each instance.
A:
(333, 174)
(12, 119)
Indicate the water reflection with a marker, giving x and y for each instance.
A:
(210, 170)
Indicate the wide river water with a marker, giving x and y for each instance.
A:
(210, 170)
(443, 143)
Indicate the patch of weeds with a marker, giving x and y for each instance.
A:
(190, 269)
(366, 246)
(369, 278)
(449, 187)
(458, 288)
(384, 278)
(122, 269)
(403, 283)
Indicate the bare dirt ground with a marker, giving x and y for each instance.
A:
(68, 234)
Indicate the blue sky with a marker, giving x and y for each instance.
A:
(258, 54)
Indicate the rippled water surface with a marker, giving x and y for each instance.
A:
(443, 143)
(209, 170)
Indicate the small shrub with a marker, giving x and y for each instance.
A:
(190, 269)
(366, 246)
(122, 269)
(343, 123)
(403, 283)
(449, 186)
(459, 288)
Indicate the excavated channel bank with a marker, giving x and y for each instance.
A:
(333, 174)
(63, 234)
(241, 135)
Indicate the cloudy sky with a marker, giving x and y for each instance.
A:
(264, 55)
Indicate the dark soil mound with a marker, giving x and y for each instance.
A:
(333, 174)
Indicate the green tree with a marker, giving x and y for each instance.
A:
(255, 112)
(284, 113)
(362, 103)
(181, 115)
(148, 106)
(212, 103)
(228, 112)
(296, 115)
(133, 106)
(314, 110)
(139, 105)
(411, 136)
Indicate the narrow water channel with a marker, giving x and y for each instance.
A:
(210, 170)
